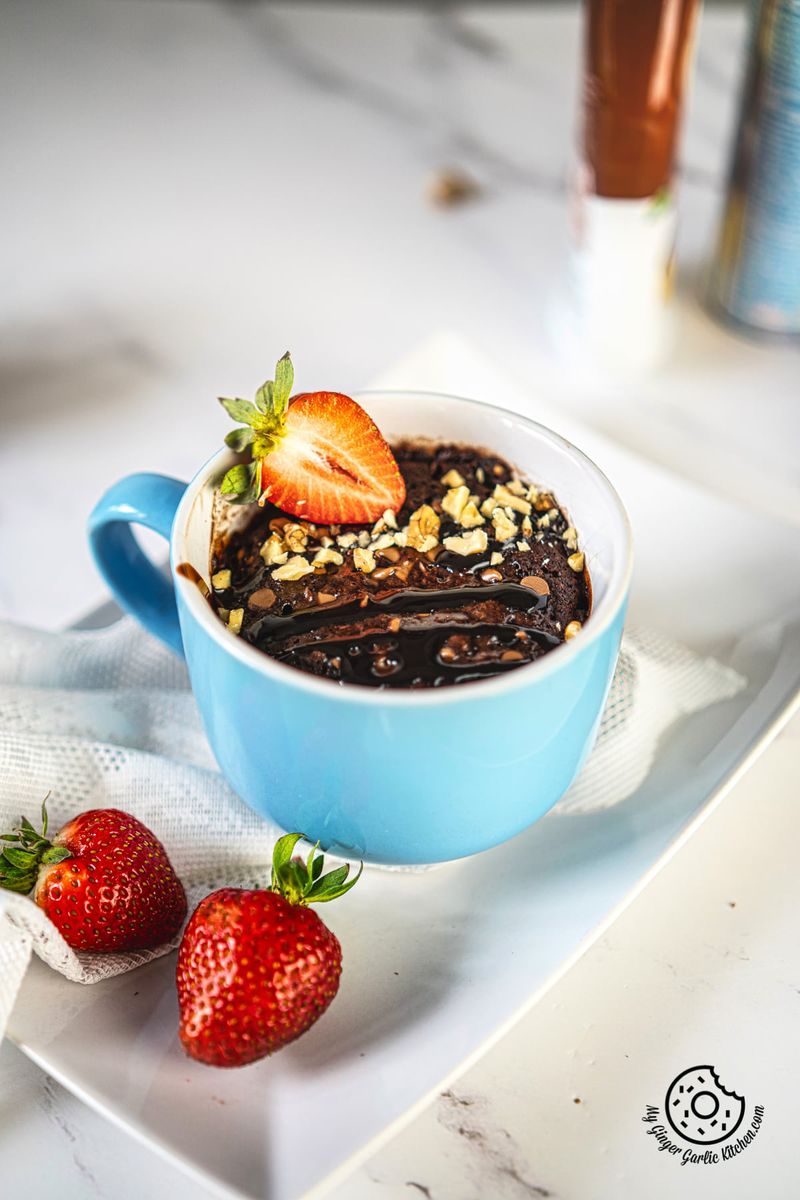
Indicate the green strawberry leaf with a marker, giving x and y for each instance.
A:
(56, 854)
(240, 438)
(332, 885)
(18, 883)
(303, 882)
(241, 482)
(241, 410)
(264, 427)
(22, 859)
(23, 853)
(284, 380)
(284, 849)
(264, 396)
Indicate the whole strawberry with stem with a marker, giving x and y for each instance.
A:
(257, 968)
(104, 880)
(317, 455)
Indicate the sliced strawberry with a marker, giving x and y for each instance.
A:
(333, 464)
(317, 456)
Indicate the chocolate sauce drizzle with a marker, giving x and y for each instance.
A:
(380, 632)
(416, 653)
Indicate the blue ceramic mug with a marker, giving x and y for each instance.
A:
(388, 776)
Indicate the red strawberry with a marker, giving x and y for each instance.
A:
(104, 880)
(258, 968)
(317, 455)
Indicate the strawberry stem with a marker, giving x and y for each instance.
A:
(261, 429)
(26, 851)
(303, 882)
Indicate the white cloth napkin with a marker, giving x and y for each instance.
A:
(106, 719)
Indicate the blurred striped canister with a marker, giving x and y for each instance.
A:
(755, 279)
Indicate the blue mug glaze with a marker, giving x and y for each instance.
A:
(388, 776)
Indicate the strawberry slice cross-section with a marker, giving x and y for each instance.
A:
(317, 456)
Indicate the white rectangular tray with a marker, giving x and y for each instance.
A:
(439, 963)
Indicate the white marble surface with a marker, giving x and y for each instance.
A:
(702, 968)
(191, 188)
(194, 186)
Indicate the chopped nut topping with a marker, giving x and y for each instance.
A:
(346, 540)
(511, 656)
(474, 542)
(470, 517)
(363, 560)
(496, 559)
(295, 537)
(453, 479)
(295, 568)
(363, 538)
(378, 527)
(325, 597)
(507, 498)
(543, 501)
(273, 551)
(527, 527)
(572, 628)
(400, 538)
(490, 575)
(383, 542)
(480, 474)
(544, 522)
(390, 552)
(423, 529)
(235, 620)
(327, 555)
(326, 541)
(221, 580)
(394, 625)
(390, 519)
(576, 561)
(504, 527)
(515, 486)
(488, 506)
(523, 545)
(570, 537)
(455, 500)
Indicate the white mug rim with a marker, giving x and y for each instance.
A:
(281, 673)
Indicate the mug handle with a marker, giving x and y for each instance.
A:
(141, 588)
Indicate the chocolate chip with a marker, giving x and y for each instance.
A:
(536, 584)
(384, 664)
(383, 573)
(263, 598)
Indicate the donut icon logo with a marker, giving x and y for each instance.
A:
(700, 1109)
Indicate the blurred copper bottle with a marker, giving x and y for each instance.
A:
(636, 58)
(756, 275)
